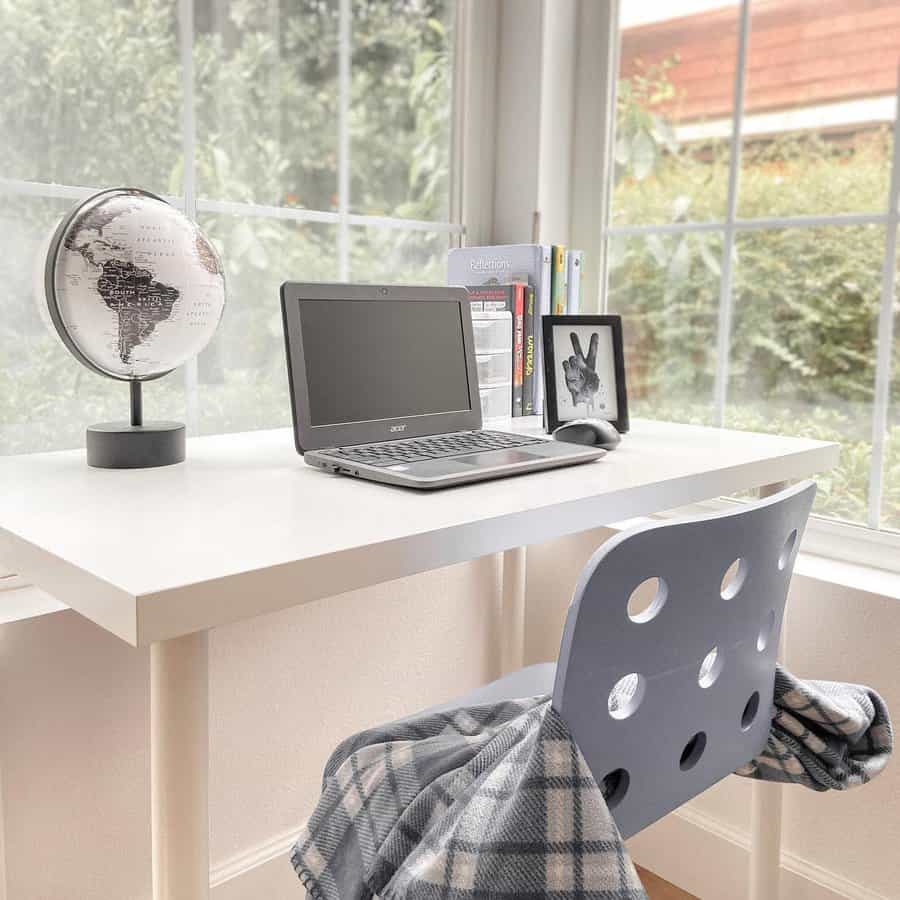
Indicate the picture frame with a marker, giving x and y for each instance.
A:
(584, 370)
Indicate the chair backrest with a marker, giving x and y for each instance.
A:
(665, 702)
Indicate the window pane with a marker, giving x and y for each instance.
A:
(393, 256)
(242, 376)
(820, 99)
(890, 501)
(267, 100)
(803, 347)
(92, 94)
(400, 110)
(666, 288)
(673, 112)
(47, 398)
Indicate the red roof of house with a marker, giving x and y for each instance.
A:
(800, 53)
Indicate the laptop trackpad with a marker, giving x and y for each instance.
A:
(496, 458)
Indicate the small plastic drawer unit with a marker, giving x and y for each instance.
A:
(494, 369)
(493, 354)
(493, 332)
(496, 403)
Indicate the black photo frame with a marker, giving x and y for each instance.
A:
(602, 335)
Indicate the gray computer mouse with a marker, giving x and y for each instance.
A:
(590, 432)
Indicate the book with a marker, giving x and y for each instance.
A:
(491, 297)
(558, 275)
(504, 263)
(528, 355)
(576, 269)
(518, 348)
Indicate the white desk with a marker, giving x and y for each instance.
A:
(160, 556)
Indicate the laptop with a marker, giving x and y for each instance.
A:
(384, 386)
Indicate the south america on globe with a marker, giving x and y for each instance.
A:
(135, 288)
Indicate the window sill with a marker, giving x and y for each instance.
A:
(20, 600)
(851, 575)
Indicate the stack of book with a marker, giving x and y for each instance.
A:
(527, 281)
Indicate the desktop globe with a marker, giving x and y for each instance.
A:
(134, 290)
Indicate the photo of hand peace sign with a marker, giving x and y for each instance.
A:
(579, 384)
(581, 374)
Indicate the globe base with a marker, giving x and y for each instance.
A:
(118, 445)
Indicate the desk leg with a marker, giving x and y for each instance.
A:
(179, 739)
(512, 619)
(766, 808)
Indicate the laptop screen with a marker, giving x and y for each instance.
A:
(383, 359)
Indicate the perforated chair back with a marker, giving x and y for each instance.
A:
(666, 702)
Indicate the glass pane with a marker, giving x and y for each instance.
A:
(820, 100)
(47, 398)
(803, 347)
(267, 101)
(666, 288)
(393, 256)
(242, 376)
(400, 109)
(92, 93)
(890, 499)
(673, 112)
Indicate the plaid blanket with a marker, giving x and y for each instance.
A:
(496, 802)
(825, 735)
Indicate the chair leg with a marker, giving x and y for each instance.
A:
(765, 841)
(512, 619)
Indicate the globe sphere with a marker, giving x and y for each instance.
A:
(132, 285)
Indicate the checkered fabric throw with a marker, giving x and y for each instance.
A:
(496, 802)
(825, 735)
(492, 802)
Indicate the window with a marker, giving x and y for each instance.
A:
(310, 139)
(752, 238)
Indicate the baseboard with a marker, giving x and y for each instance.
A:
(257, 871)
(723, 852)
(665, 848)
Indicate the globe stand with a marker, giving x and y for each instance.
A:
(135, 445)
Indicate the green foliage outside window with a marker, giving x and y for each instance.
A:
(805, 301)
(94, 96)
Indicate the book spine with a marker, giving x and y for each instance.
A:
(576, 269)
(518, 348)
(558, 280)
(528, 363)
(541, 308)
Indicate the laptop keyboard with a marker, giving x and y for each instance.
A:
(435, 447)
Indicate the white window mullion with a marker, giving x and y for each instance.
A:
(15, 187)
(726, 300)
(189, 179)
(882, 398)
(770, 223)
(344, 22)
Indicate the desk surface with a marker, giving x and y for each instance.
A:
(244, 527)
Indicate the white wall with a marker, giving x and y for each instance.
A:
(285, 689)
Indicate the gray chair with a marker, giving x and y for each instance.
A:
(668, 697)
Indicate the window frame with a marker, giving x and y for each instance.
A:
(189, 203)
(865, 543)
